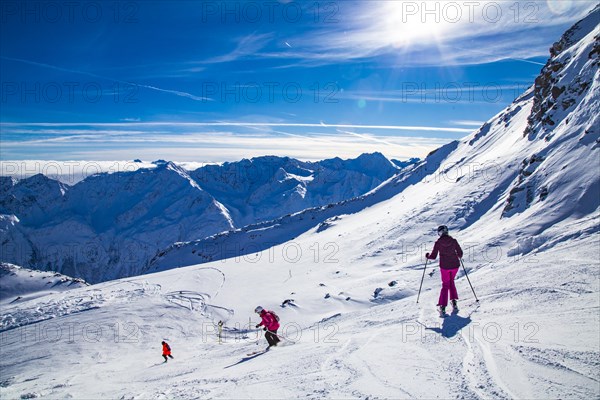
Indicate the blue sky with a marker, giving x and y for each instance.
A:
(212, 81)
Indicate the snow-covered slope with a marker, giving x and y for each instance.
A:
(110, 225)
(520, 342)
(346, 290)
(21, 284)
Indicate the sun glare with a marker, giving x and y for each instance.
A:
(406, 25)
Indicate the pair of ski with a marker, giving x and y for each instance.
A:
(254, 353)
(267, 349)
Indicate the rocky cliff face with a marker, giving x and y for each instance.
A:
(561, 83)
(564, 121)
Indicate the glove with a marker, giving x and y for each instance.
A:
(257, 326)
(265, 328)
(426, 255)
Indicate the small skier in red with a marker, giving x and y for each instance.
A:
(166, 351)
(271, 324)
(450, 255)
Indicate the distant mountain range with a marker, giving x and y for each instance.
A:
(111, 224)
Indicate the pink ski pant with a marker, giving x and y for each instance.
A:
(448, 276)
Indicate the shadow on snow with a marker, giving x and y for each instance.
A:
(451, 326)
(245, 359)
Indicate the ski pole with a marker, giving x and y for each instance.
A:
(468, 280)
(250, 329)
(423, 277)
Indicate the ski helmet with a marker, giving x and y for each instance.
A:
(258, 309)
(442, 230)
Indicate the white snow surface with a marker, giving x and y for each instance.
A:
(534, 333)
(20, 284)
(524, 206)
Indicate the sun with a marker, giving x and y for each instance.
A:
(406, 25)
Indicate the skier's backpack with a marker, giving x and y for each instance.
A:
(168, 347)
(274, 315)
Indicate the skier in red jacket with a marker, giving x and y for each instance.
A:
(271, 324)
(450, 255)
(166, 351)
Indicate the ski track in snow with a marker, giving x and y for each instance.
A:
(481, 370)
(64, 304)
(197, 301)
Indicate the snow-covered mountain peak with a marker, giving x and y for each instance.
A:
(373, 158)
(269, 160)
(568, 75)
(577, 32)
(376, 163)
(564, 120)
(7, 182)
(41, 183)
(32, 199)
(172, 167)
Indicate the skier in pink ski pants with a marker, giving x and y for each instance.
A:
(450, 255)
(271, 324)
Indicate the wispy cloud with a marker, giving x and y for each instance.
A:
(464, 122)
(441, 93)
(220, 149)
(244, 47)
(234, 124)
(219, 141)
(367, 137)
(73, 71)
(439, 32)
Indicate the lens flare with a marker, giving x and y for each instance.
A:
(559, 7)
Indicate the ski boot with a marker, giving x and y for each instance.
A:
(442, 311)
(454, 306)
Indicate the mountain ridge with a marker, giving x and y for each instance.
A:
(109, 225)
